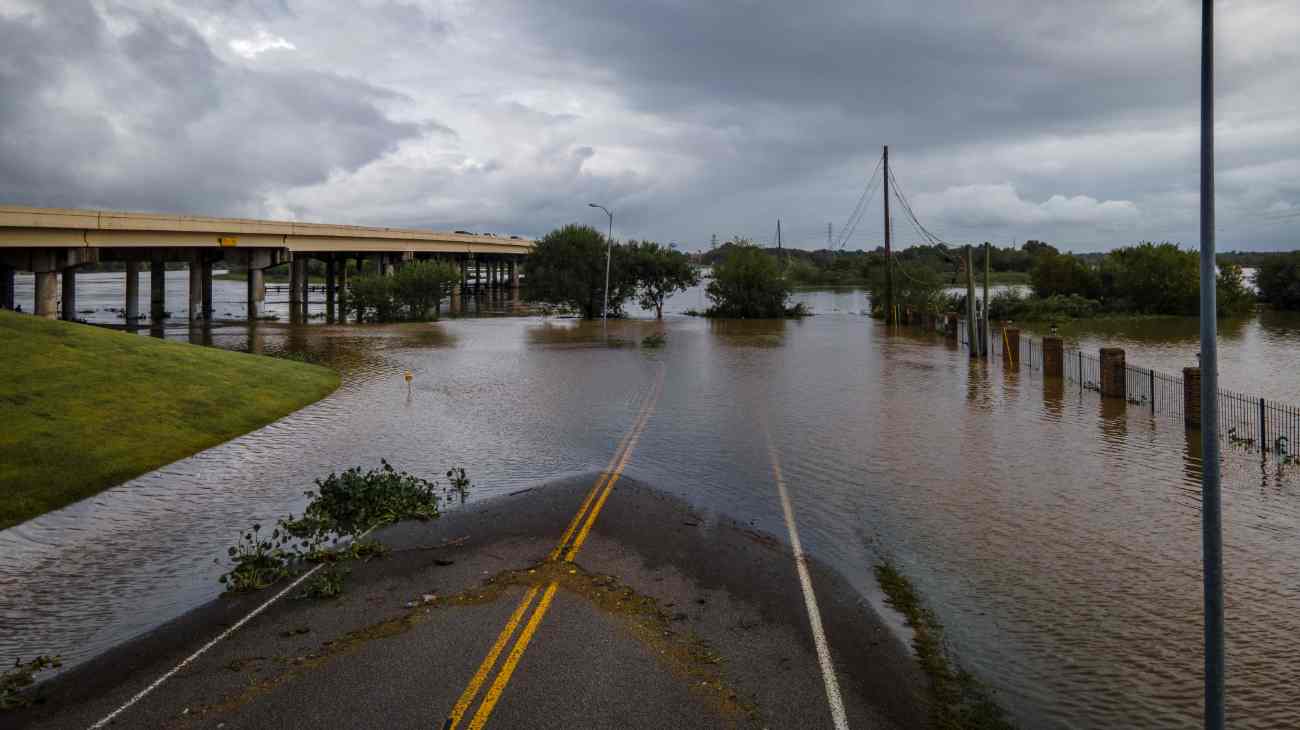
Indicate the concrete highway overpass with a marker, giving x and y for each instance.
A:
(53, 242)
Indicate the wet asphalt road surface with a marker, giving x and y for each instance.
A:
(665, 619)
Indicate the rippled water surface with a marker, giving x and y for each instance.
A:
(1055, 535)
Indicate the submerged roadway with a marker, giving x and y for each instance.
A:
(592, 601)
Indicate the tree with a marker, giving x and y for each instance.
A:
(567, 267)
(1230, 293)
(1153, 278)
(748, 284)
(420, 286)
(1057, 273)
(1278, 280)
(409, 293)
(659, 272)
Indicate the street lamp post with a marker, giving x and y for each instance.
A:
(609, 244)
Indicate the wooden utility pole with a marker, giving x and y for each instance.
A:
(828, 236)
(889, 255)
(972, 332)
(988, 325)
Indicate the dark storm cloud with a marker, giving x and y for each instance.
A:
(1006, 119)
(146, 116)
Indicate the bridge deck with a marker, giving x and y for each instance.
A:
(23, 227)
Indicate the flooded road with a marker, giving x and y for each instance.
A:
(1057, 537)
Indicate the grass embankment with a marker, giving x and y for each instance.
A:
(960, 702)
(87, 408)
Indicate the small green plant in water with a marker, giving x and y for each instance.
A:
(344, 508)
(655, 340)
(259, 560)
(23, 675)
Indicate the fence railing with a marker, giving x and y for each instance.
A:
(1244, 420)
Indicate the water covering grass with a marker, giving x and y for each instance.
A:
(87, 408)
(960, 701)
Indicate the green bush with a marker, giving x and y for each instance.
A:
(1278, 280)
(747, 284)
(414, 292)
(1063, 274)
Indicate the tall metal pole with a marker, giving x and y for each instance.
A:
(988, 325)
(972, 330)
(1211, 517)
(828, 236)
(889, 255)
(609, 246)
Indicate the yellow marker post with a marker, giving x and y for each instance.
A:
(408, 376)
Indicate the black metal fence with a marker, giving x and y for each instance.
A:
(1244, 420)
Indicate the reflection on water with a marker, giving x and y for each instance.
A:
(1057, 536)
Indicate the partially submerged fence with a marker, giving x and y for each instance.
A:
(1244, 420)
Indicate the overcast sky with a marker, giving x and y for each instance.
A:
(1075, 123)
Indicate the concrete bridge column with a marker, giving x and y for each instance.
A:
(196, 285)
(157, 287)
(46, 294)
(70, 293)
(132, 291)
(390, 266)
(329, 288)
(256, 292)
(343, 288)
(205, 281)
(514, 274)
(464, 273)
(6, 286)
(295, 289)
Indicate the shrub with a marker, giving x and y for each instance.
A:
(414, 292)
(748, 284)
(1278, 280)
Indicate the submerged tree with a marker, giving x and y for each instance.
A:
(659, 271)
(747, 283)
(567, 267)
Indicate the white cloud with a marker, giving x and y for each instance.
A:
(1001, 205)
(264, 41)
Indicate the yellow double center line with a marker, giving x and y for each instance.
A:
(572, 539)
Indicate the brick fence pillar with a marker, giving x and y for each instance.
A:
(1053, 357)
(1113, 373)
(1192, 397)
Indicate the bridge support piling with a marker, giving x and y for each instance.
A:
(329, 288)
(69, 293)
(7, 286)
(46, 295)
(132, 291)
(295, 289)
(157, 287)
(343, 288)
(196, 285)
(256, 293)
(514, 274)
(205, 269)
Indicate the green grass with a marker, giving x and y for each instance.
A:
(86, 408)
(960, 702)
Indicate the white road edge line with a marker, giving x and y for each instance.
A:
(809, 598)
(202, 650)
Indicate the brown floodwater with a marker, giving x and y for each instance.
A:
(1055, 535)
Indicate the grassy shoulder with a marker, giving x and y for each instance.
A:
(87, 408)
(960, 701)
